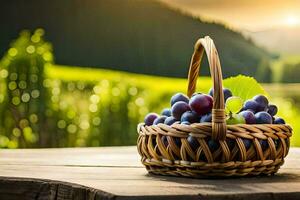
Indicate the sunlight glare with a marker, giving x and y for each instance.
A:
(292, 21)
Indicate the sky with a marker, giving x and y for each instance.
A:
(250, 15)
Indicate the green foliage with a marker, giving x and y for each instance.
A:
(43, 105)
(291, 73)
(129, 35)
(111, 103)
(264, 72)
(287, 99)
(23, 98)
(243, 86)
(87, 107)
(286, 69)
(289, 112)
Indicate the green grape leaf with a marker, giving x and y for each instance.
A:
(244, 87)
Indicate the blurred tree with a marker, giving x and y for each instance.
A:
(264, 72)
(24, 97)
(291, 73)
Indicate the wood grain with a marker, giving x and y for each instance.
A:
(116, 173)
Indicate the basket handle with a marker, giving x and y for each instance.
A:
(218, 112)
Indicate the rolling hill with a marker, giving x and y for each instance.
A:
(141, 36)
(283, 40)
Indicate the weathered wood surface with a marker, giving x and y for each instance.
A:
(116, 173)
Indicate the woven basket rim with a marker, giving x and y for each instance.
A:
(182, 130)
(206, 124)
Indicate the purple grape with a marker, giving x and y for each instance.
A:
(251, 105)
(159, 120)
(279, 120)
(201, 104)
(250, 110)
(186, 123)
(272, 109)
(165, 140)
(177, 141)
(170, 120)
(213, 145)
(206, 118)
(230, 143)
(149, 119)
(248, 116)
(196, 93)
(179, 108)
(154, 141)
(276, 142)
(166, 112)
(193, 142)
(202, 157)
(262, 102)
(189, 116)
(247, 143)
(264, 144)
(273, 119)
(179, 97)
(227, 93)
(263, 118)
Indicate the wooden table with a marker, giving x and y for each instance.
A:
(116, 173)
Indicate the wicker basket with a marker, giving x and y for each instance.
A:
(178, 157)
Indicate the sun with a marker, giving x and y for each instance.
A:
(292, 21)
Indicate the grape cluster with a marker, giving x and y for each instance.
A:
(257, 110)
(198, 109)
(183, 110)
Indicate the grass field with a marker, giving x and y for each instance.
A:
(284, 95)
(156, 83)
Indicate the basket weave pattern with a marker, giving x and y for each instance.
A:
(165, 150)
